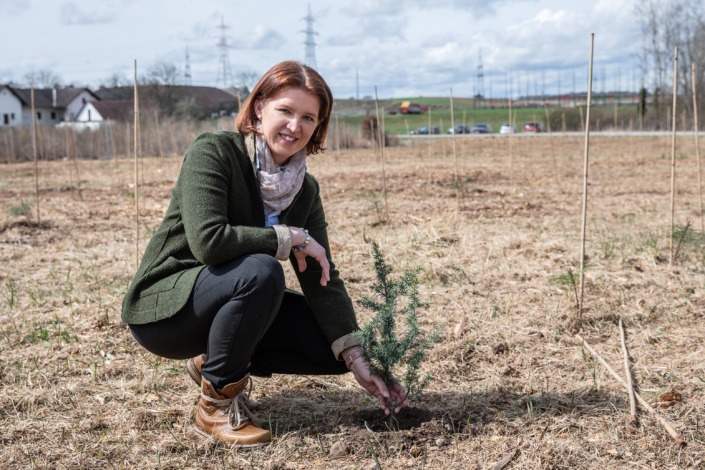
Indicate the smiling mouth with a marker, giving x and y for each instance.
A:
(288, 138)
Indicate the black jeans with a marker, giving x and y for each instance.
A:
(241, 315)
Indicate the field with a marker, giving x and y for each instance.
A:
(496, 232)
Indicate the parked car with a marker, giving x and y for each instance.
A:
(507, 129)
(481, 129)
(425, 131)
(459, 129)
(533, 126)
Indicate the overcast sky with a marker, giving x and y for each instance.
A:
(404, 47)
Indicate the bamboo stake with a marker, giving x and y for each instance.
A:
(673, 152)
(429, 133)
(337, 136)
(381, 150)
(643, 402)
(697, 144)
(628, 374)
(585, 187)
(455, 153)
(74, 156)
(511, 146)
(68, 154)
(159, 133)
(137, 215)
(12, 145)
(34, 151)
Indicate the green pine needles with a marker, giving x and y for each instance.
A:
(386, 348)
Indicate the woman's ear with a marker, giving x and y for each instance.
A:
(258, 108)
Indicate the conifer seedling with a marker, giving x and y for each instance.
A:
(387, 346)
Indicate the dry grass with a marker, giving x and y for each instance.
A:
(77, 391)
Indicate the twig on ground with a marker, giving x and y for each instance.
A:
(503, 463)
(643, 402)
(323, 383)
(628, 373)
(680, 239)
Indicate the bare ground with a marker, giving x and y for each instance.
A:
(497, 232)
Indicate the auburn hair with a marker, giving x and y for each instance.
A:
(289, 74)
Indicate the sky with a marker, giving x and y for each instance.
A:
(401, 48)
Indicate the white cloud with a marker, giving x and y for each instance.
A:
(14, 7)
(71, 14)
(264, 37)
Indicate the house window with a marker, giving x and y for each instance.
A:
(84, 100)
(39, 115)
(53, 116)
(12, 116)
(89, 115)
(5, 119)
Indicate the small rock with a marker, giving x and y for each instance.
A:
(415, 451)
(441, 441)
(339, 449)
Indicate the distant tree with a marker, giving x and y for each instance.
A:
(642, 102)
(159, 83)
(664, 26)
(162, 73)
(248, 79)
(42, 78)
(114, 80)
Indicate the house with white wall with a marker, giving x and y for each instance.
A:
(51, 105)
(95, 113)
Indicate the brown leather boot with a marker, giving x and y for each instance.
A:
(194, 367)
(224, 415)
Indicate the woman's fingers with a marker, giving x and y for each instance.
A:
(317, 252)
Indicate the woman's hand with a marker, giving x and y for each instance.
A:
(374, 384)
(313, 249)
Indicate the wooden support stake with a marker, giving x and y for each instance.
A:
(697, 144)
(585, 188)
(673, 153)
(34, 151)
(381, 150)
(643, 402)
(136, 148)
(455, 153)
(628, 374)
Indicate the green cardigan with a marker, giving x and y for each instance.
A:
(216, 214)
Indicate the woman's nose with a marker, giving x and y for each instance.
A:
(294, 124)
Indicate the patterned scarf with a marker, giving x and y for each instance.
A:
(278, 184)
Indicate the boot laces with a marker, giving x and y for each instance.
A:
(238, 407)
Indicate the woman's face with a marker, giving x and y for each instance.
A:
(288, 119)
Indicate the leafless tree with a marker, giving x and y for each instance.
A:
(162, 73)
(248, 79)
(666, 25)
(42, 78)
(116, 79)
